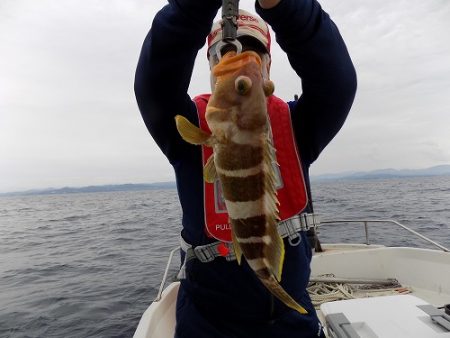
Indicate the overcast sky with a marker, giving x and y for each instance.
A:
(68, 115)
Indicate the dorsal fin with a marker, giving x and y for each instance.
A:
(275, 249)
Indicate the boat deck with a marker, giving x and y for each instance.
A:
(363, 271)
(425, 275)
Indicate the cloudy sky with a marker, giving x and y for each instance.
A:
(68, 116)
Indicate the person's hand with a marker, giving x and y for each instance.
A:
(266, 4)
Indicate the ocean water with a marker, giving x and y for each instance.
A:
(88, 265)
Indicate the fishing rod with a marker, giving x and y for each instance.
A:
(230, 13)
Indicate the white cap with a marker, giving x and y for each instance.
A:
(248, 25)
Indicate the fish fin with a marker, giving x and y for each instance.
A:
(189, 132)
(275, 251)
(237, 247)
(209, 170)
(277, 290)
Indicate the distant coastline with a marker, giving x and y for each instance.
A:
(441, 170)
(94, 188)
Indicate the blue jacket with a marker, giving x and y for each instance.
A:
(316, 53)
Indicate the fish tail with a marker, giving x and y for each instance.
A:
(277, 290)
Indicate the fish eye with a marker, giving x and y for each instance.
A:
(243, 84)
(268, 87)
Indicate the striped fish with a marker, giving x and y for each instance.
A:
(243, 157)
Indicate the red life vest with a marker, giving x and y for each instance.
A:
(291, 187)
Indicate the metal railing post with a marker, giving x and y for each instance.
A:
(366, 227)
(166, 272)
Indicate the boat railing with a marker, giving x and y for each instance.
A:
(323, 222)
(366, 229)
(166, 273)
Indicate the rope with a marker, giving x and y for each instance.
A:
(322, 292)
(328, 292)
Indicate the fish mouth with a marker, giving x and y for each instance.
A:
(232, 62)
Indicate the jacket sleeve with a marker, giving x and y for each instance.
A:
(165, 67)
(317, 53)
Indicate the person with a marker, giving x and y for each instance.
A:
(217, 297)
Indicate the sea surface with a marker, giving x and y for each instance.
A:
(88, 265)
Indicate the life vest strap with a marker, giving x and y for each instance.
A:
(291, 226)
(288, 228)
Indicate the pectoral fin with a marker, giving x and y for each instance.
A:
(237, 248)
(189, 132)
(209, 170)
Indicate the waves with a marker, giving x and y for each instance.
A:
(82, 265)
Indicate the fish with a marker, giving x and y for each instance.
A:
(242, 161)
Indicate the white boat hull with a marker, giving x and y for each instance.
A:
(158, 321)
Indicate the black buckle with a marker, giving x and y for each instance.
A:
(204, 253)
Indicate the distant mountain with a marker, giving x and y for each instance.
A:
(94, 188)
(440, 170)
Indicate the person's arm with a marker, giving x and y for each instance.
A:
(319, 56)
(165, 67)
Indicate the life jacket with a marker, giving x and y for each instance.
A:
(291, 187)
